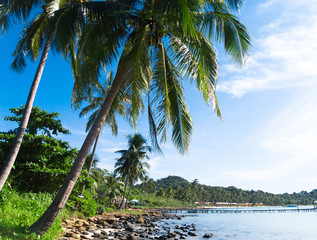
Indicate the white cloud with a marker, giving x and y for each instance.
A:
(286, 143)
(284, 57)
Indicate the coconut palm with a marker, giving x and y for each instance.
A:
(148, 186)
(39, 32)
(99, 93)
(113, 185)
(130, 165)
(57, 24)
(169, 194)
(164, 43)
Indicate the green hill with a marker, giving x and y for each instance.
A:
(171, 181)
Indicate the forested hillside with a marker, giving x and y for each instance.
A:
(194, 192)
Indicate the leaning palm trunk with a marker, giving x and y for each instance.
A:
(7, 166)
(126, 203)
(93, 154)
(90, 165)
(48, 218)
(125, 192)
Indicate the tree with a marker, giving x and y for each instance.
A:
(130, 165)
(43, 161)
(148, 186)
(39, 30)
(99, 93)
(169, 194)
(114, 185)
(145, 66)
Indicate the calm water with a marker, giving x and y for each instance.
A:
(254, 226)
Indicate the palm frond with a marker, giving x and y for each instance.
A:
(225, 27)
(136, 84)
(177, 110)
(16, 11)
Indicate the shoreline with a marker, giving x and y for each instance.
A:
(119, 226)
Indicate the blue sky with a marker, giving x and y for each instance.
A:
(268, 138)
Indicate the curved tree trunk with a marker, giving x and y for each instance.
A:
(48, 218)
(90, 165)
(93, 154)
(126, 203)
(7, 166)
(125, 192)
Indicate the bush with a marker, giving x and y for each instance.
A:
(86, 204)
(18, 211)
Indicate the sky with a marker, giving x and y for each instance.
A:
(267, 139)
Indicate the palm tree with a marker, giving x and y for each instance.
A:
(148, 186)
(99, 93)
(39, 31)
(169, 194)
(162, 42)
(114, 185)
(130, 166)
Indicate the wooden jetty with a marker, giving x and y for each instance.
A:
(239, 210)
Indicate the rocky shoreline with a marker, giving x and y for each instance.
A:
(119, 226)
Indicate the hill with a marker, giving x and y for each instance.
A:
(171, 181)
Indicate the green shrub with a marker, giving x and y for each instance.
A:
(86, 204)
(18, 211)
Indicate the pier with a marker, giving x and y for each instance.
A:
(239, 210)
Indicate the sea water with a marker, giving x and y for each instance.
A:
(253, 225)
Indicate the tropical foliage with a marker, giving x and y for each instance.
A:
(130, 166)
(43, 161)
(157, 45)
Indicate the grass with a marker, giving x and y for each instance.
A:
(18, 211)
(154, 201)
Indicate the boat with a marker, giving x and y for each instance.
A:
(291, 205)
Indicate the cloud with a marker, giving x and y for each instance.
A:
(286, 144)
(283, 57)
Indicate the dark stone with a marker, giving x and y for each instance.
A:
(192, 234)
(131, 237)
(209, 235)
(129, 227)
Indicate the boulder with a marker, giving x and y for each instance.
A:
(129, 227)
(208, 235)
(192, 234)
(71, 235)
(140, 220)
(110, 219)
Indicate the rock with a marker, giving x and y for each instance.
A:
(129, 227)
(91, 228)
(85, 233)
(171, 235)
(71, 235)
(110, 219)
(140, 220)
(192, 234)
(68, 222)
(119, 215)
(131, 237)
(116, 226)
(210, 235)
(84, 237)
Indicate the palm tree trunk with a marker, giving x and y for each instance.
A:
(93, 154)
(7, 166)
(126, 203)
(125, 191)
(48, 218)
(90, 165)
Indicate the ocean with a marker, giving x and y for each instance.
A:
(252, 225)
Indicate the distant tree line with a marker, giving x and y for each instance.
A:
(192, 192)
